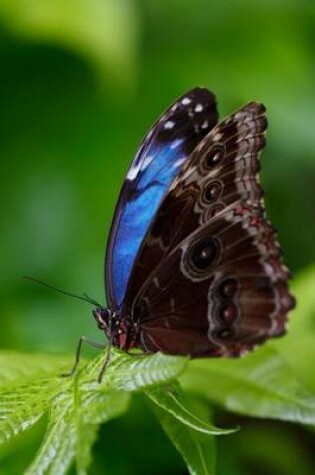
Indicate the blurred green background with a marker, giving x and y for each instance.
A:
(81, 81)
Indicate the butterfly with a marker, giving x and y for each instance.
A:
(193, 267)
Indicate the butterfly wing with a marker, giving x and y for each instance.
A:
(218, 284)
(159, 158)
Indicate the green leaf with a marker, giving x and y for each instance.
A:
(31, 386)
(28, 384)
(78, 409)
(131, 373)
(260, 385)
(15, 367)
(172, 399)
(57, 451)
(72, 429)
(197, 449)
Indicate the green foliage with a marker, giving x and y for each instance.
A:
(260, 385)
(197, 451)
(171, 399)
(28, 385)
(78, 405)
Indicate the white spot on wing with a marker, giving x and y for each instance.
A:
(179, 161)
(199, 108)
(176, 143)
(169, 124)
(186, 101)
(133, 172)
(205, 124)
(146, 162)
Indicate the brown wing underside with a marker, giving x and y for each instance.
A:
(209, 278)
(220, 302)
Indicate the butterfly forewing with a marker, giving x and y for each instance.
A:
(221, 170)
(160, 157)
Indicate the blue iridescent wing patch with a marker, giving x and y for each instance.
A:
(159, 159)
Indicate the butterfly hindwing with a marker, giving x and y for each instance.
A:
(208, 279)
(160, 157)
(221, 291)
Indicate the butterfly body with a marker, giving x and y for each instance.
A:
(193, 267)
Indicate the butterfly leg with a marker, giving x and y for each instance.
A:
(86, 341)
(106, 361)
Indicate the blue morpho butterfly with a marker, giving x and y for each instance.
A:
(192, 265)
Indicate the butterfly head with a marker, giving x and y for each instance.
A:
(121, 332)
(103, 317)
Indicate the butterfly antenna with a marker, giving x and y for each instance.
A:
(91, 300)
(83, 297)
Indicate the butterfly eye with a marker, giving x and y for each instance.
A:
(214, 157)
(204, 253)
(228, 288)
(212, 191)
